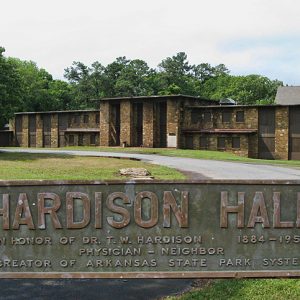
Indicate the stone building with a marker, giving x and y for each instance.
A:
(268, 132)
(56, 129)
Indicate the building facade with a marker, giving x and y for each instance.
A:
(267, 132)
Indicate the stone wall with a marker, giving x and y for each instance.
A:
(148, 124)
(173, 119)
(54, 130)
(104, 123)
(25, 131)
(39, 131)
(282, 133)
(126, 122)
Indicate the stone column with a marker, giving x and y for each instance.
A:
(172, 123)
(282, 133)
(126, 122)
(39, 131)
(104, 123)
(25, 131)
(148, 124)
(54, 130)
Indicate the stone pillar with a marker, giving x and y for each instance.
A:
(104, 123)
(54, 130)
(282, 133)
(126, 122)
(25, 131)
(39, 131)
(12, 127)
(148, 124)
(172, 123)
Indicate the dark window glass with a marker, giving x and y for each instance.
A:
(240, 118)
(226, 116)
(71, 140)
(221, 142)
(207, 116)
(85, 119)
(93, 139)
(236, 143)
(194, 117)
(203, 142)
(97, 118)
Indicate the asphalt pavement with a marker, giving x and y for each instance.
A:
(200, 168)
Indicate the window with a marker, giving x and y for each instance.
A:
(97, 118)
(221, 142)
(207, 116)
(85, 119)
(71, 140)
(226, 116)
(93, 139)
(239, 117)
(203, 142)
(236, 143)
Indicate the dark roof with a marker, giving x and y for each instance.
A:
(57, 112)
(288, 95)
(153, 97)
(239, 106)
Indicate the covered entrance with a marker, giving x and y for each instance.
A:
(294, 133)
(266, 133)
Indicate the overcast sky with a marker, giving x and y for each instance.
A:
(248, 36)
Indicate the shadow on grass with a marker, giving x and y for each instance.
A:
(4, 156)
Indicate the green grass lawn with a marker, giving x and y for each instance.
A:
(44, 166)
(199, 154)
(246, 289)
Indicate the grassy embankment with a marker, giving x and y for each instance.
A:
(66, 167)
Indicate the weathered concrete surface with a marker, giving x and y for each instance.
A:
(205, 168)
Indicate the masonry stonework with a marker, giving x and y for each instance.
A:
(104, 123)
(54, 131)
(173, 119)
(25, 131)
(126, 122)
(282, 133)
(39, 131)
(148, 124)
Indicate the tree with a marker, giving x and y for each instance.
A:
(250, 89)
(10, 89)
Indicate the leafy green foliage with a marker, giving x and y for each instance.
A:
(10, 89)
(26, 87)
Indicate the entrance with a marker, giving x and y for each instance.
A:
(294, 133)
(32, 131)
(138, 124)
(114, 125)
(266, 133)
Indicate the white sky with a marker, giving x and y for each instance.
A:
(248, 36)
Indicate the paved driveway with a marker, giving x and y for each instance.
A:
(200, 168)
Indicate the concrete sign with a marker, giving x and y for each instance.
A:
(149, 229)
